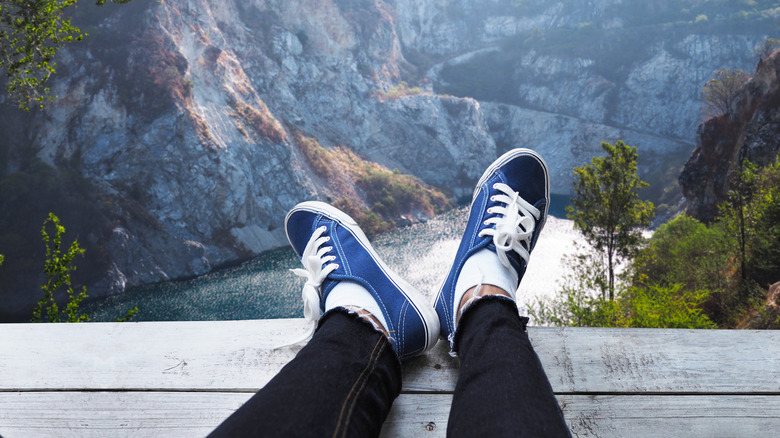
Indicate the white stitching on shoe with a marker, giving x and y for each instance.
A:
(317, 266)
(514, 225)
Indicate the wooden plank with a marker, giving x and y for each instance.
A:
(238, 355)
(661, 361)
(671, 416)
(174, 414)
(228, 355)
(114, 414)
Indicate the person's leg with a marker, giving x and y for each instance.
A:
(502, 389)
(342, 383)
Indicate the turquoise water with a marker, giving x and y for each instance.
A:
(264, 288)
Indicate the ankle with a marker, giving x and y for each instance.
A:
(368, 317)
(476, 293)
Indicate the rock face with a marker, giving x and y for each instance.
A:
(748, 131)
(193, 121)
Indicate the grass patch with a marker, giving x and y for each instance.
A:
(396, 92)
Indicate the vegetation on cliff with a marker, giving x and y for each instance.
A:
(688, 274)
(57, 267)
(376, 197)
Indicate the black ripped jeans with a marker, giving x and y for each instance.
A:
(344, 381)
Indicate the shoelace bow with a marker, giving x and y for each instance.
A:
(317, 265)
(514, 223)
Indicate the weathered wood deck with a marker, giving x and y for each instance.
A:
(183, 378)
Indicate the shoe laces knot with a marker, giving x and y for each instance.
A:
(317, 266)
(513, 225)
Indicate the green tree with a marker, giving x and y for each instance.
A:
(31, 33)
(721, 91)
(57, 268)
(737, 213)
(752, 215)
(607, 209)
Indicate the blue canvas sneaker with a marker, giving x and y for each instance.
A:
(343, 270)
(508, 211)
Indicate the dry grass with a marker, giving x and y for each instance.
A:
(259, 119)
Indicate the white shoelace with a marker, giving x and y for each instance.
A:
(317, 265)
(514, 225)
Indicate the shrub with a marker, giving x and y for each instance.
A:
(57, 268)
(672, 306)
(685, 251)
(581, 304)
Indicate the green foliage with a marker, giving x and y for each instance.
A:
(735, 258)
(31, 33)
(658, 306)
(685, 251)
(607, 209)
(392, 194)
(720, 92)
(57, 268)
(389, 195)
(129, 315)
(580, 303)
(752, 215)
(660, 289)
(696, 257)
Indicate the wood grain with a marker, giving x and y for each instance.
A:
(239, 355)
(184, 378)
(184, 414)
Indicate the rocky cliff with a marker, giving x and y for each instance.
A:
(749, 131)
(185, 129)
